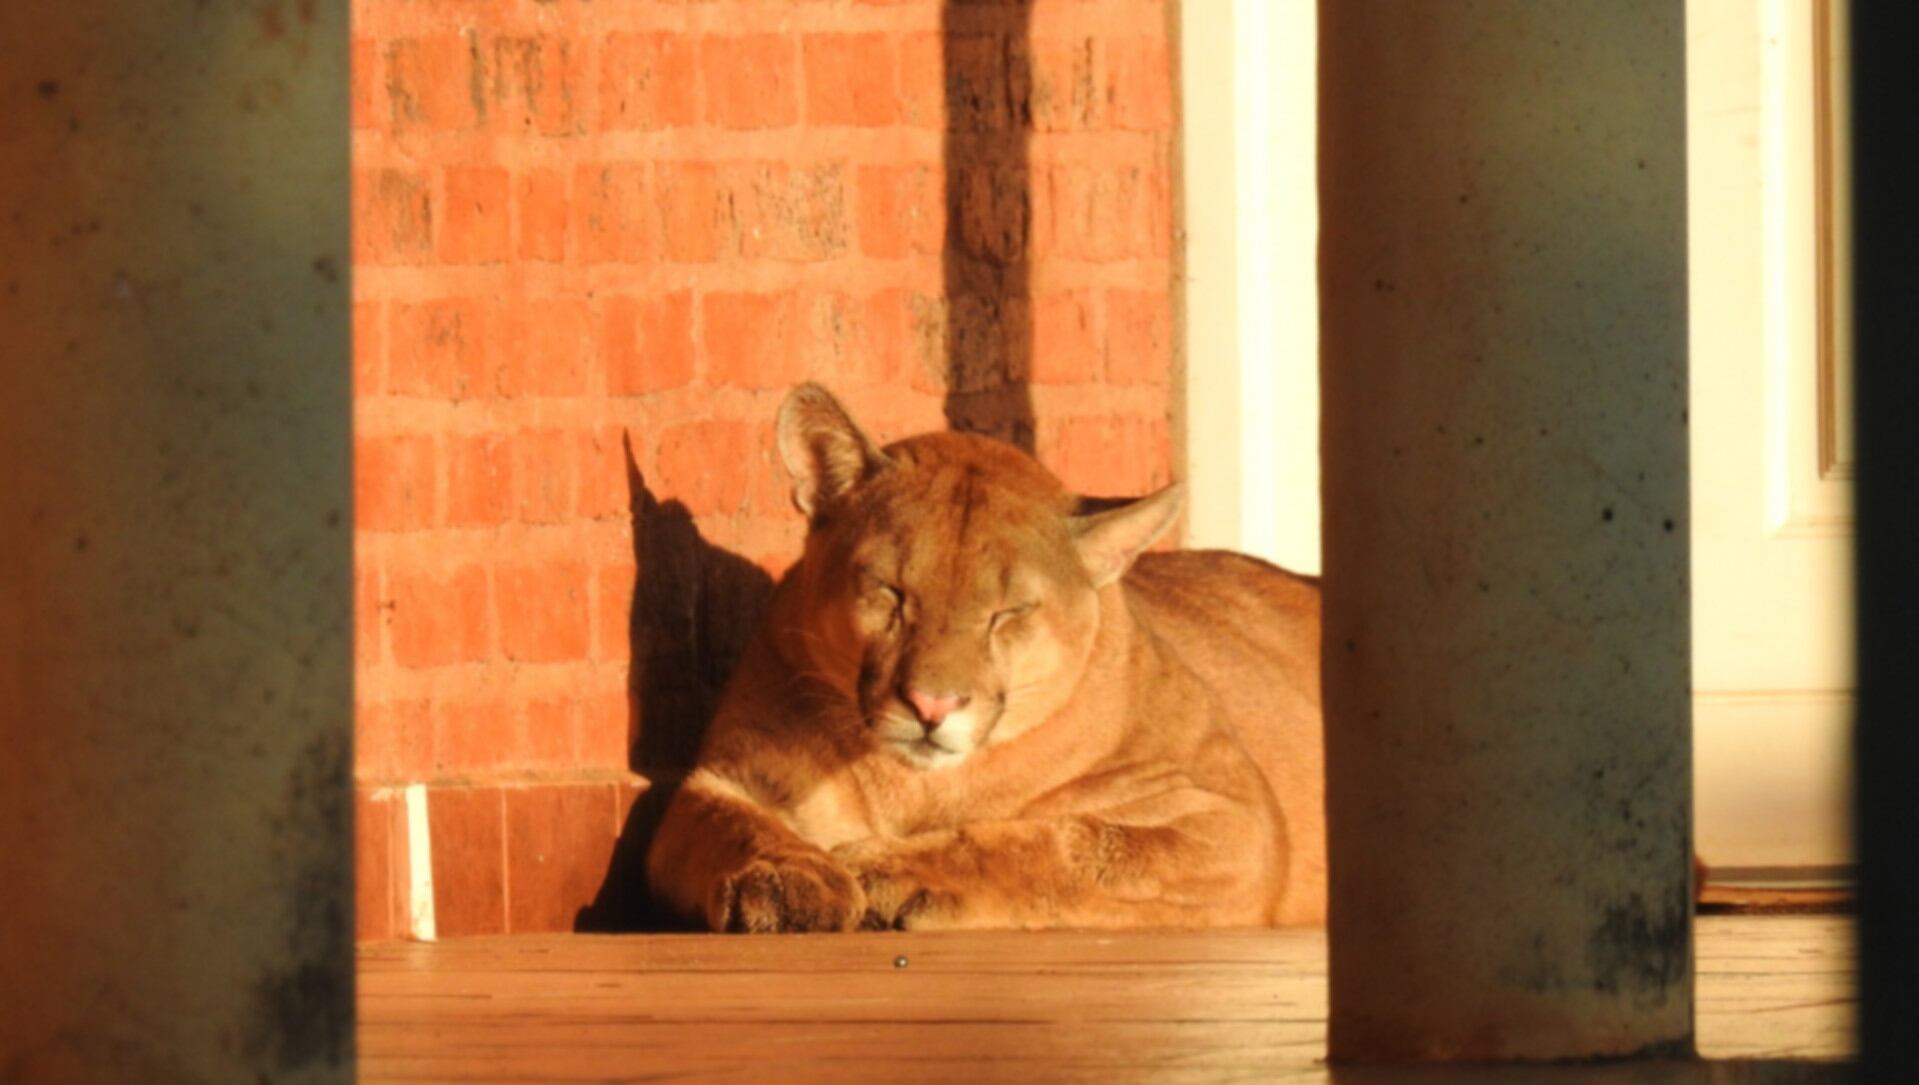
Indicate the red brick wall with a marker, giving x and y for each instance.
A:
(594, 243)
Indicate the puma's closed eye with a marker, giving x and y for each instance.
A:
(880, 589)
(1002, 617)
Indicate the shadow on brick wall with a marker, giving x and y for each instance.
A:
(695, 604)
(987, 269)
(694, 607)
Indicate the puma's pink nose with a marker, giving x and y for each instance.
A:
(933, 708)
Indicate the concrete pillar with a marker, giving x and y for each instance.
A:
(175, 543)
(1503, 268)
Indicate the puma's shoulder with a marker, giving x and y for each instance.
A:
(1219, 585)
(1250, 631)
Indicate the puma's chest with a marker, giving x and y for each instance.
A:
(831, 815)
(1000, 783)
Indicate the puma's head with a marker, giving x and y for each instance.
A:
(950, 583)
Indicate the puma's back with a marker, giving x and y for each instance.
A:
(1250, 631)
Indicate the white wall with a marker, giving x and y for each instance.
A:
(1252, 221)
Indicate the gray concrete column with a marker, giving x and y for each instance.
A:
(1503, 267)
(175, 543)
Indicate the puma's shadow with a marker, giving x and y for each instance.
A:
(694, 607)
(695, 604)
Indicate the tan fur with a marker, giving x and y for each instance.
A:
(1142, 753)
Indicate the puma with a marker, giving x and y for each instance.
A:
(977, 702)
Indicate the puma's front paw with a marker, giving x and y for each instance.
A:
(796, 892)
(898, 897)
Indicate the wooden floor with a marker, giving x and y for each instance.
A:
(1201, 1007)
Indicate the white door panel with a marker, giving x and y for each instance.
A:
(1772, 516)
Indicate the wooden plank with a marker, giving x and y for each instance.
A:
(1017, 951)
(1072, 1006)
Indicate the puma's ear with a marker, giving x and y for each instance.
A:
(1109, 541)
(824, 451)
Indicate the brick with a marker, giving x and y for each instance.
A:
(648, 81)
(547, 346)
(1139, 336)
(769, 489)
(392, 217)
(787, 212)
(543, 210)
(612, 213)
(393, 482)
(378, 836)
(901, 209)
(1103, 213)
(438, 617)
(930, 322)
(363, 60)
(992, 212)
(1066, 344)
(1138, 83)
(374, 742)
(704, 464)
(1110, 454)
(475, 227)
(440, 349)
(605, 490)
(472, 737)
(552, 734)
(1141, 205)
(468, 832)
(479, 736)
(544, 611)
(1062, 95)
(412, 739)
(849, 80)
(687, 195)
(751, 80)
(976, 83)
(922, 81)
(542, 475)
(536, 83)
(433, 83)
(1157, 210)
(607, 726)
(1062, 208)
(392, 741)
(613, 585)
(367, 640)
(831, 333)
(751, 339)
(649, 343)
(479, 480)
(885, 345)
(987, 348)
(559, 839)
(1136, 203)
(369, 349)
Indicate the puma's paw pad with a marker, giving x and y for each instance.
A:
(897, 900)
(788, 894)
